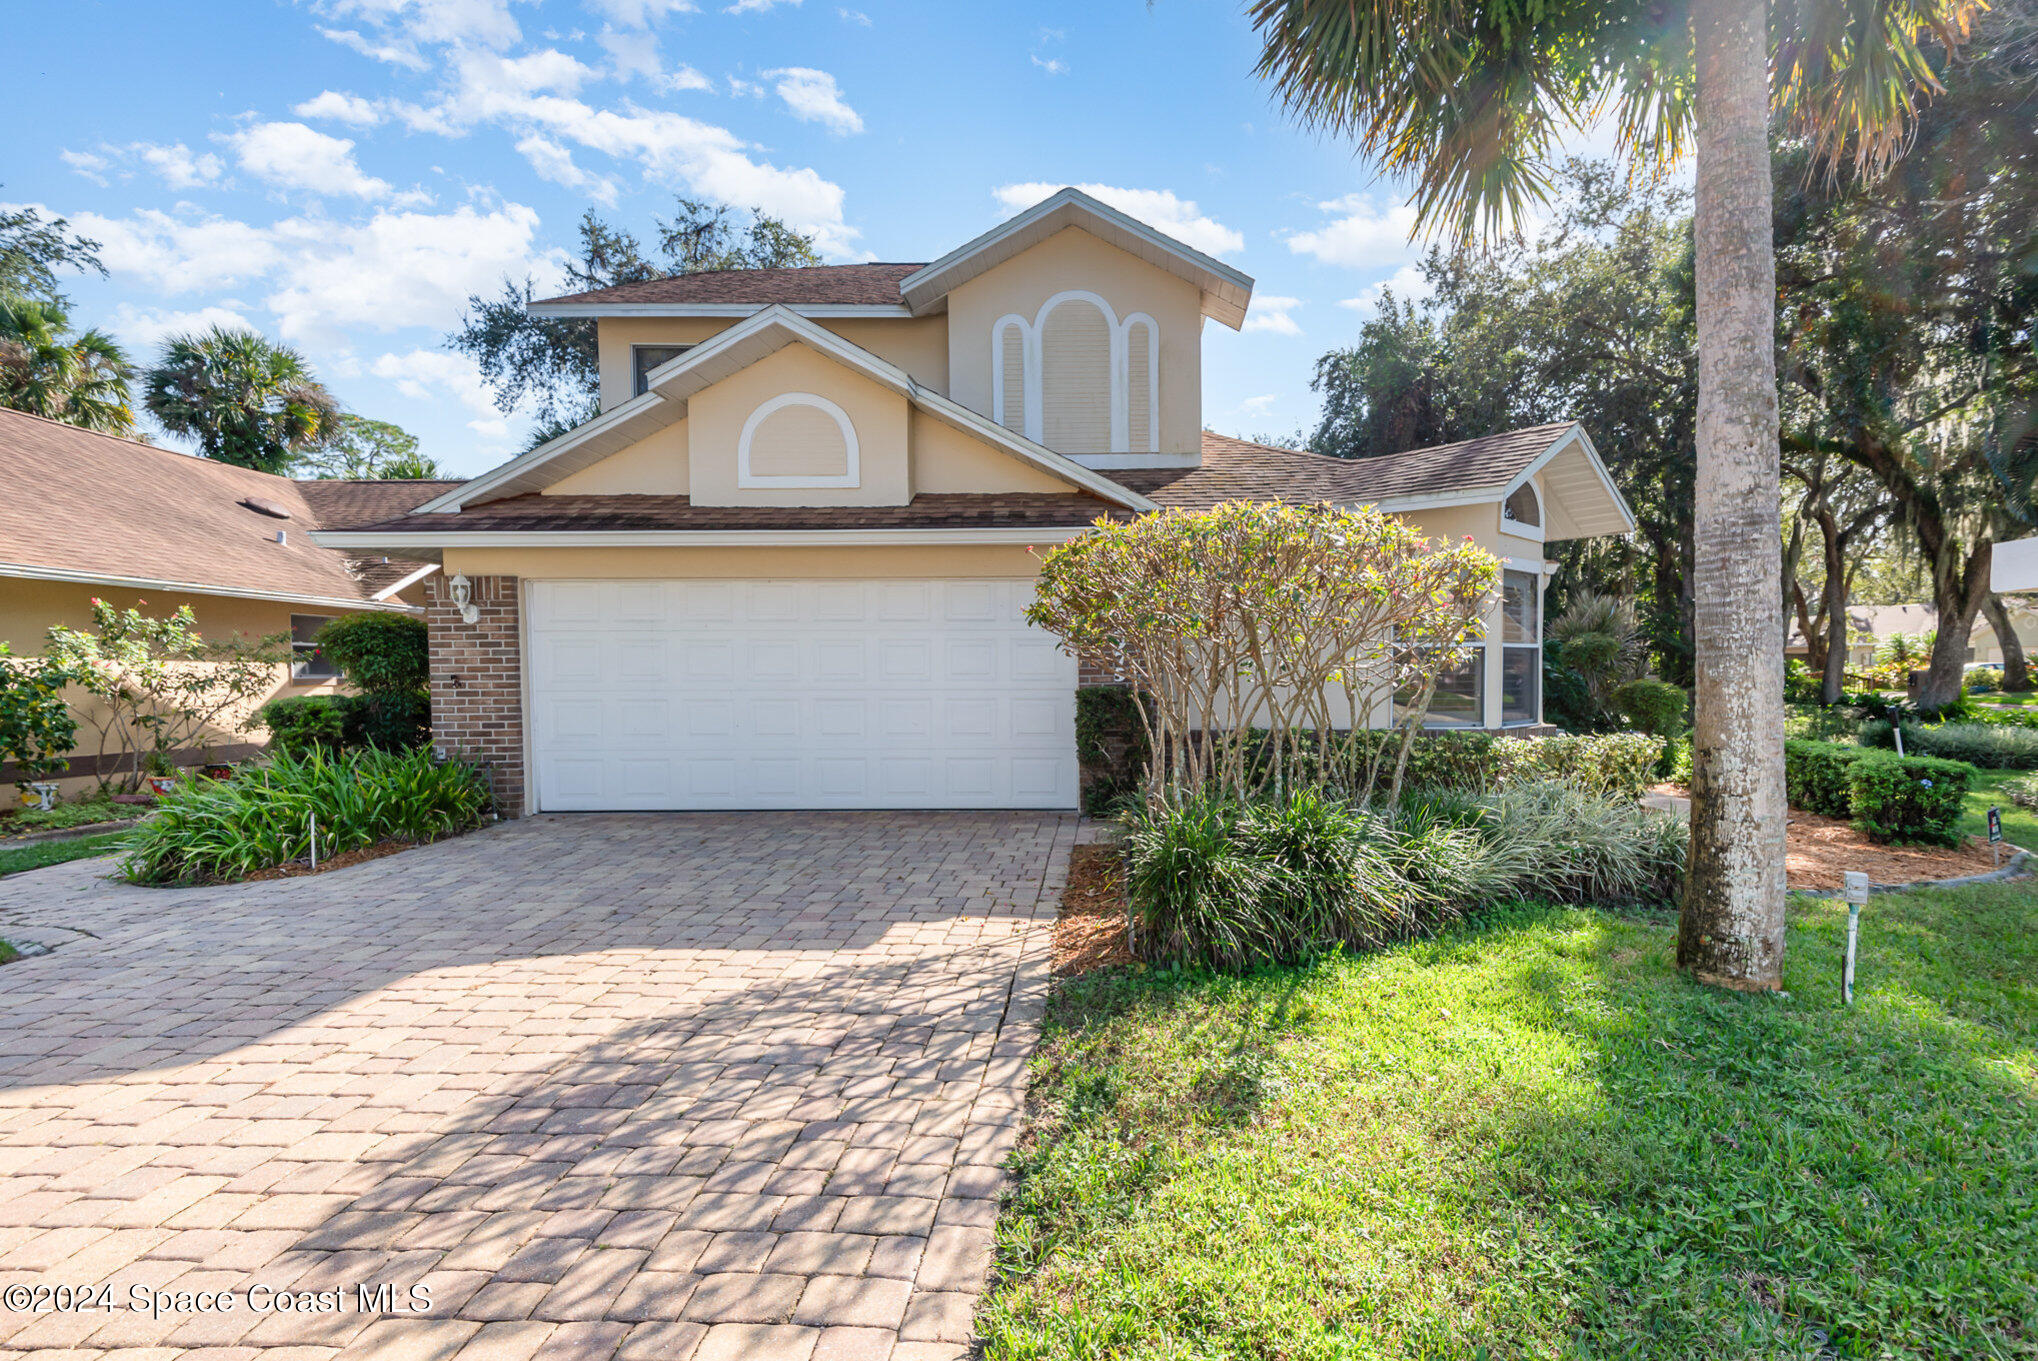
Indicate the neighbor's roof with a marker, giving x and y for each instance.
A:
(538, 513)
(92, 508)
(864, 285)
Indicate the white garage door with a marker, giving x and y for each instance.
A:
(797, 694)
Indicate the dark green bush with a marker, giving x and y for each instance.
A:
(1619, 762)
(379, 653)
(1112, 746)
(1815, 776)
(1653, 706)
(1908, 799)
(392, 721)
(301, 724)
(210, 831)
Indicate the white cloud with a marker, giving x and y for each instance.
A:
(745, 89)
(398, 268)
(634, 56)
(1256, 406)
(853, 16)
(1408, 282)
(1054, 66)
(1158, 208)
(294, 156)
(758, 6)
(1362, 236)
(406, 24)
(814, 97)
(87, 163)
(179, 168)
(1270, 313)
(555, 163)
(639, 13)
(432, 375)
(396, 54)
(143, 328)
(180, 255)
(340, 108)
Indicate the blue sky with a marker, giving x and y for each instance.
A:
(343, 173)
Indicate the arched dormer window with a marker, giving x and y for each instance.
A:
(1522, 507)
(1077, 378)
(797, 439)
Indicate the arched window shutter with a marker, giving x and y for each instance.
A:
(1012, 369)
(1075, 378)
(1139, 386)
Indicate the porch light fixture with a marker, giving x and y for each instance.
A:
(462, 592)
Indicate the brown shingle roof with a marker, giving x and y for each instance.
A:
(1238, 470)
(343, 503)
(102, 507)
(929, 510)
(875, 285)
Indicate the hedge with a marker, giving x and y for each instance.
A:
(1891, 798)
(301, 724)
(1993, 746)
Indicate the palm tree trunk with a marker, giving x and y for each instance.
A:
(1730, 932)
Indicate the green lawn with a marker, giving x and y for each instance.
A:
(2021, 699)
(1531, 1138)
(14, 859)
(27, 821)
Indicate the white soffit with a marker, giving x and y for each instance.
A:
(1226, 291)
(1580, 500)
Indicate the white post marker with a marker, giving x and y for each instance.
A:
(314, 840)
(1896, 729)
(1857, 895)
(1995, 836)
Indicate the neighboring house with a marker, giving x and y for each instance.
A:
(787, 564)
(2014, 567)
(88, 515)
(1870, 626)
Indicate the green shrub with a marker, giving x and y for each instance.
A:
(1992, 746)
(1572, 846)
(1481, 762)
(392, 721)
(220, 831)
(1908, 799)
(301, 724)
(1652, 706)
(1218, 884)
(1815, 776)
(380, 653)
(1112, 746)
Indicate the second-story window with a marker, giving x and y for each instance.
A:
(1077, 377)
(644, 358)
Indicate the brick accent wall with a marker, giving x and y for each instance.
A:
(477, 683)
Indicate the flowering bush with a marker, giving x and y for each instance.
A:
(1294, 620)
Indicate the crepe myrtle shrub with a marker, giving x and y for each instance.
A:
(36, 725)
(1266, 616)
(159, 685)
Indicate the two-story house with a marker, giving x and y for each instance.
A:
(787, 564)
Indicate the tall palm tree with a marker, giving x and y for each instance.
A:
(1471, 99)
(244, 400)
(46, 370)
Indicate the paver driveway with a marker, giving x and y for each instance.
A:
(647, 1086)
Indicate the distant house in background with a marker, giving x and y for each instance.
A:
(87, 515)
(2015, 568)
(1870, 626)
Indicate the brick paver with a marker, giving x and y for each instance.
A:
(663, 1086)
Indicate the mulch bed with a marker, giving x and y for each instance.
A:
(297, 869)
(1090, 932)
(1820, 850)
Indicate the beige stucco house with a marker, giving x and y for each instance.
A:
(786, 566)
(87, 515)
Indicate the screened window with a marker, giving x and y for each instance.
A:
(307, 662)
(1521, 648)
(1522, 507)
(644, 358)
(1460, 697)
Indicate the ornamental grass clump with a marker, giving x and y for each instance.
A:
(221, 831)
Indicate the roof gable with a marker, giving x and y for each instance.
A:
(673, 384)
(1225, 291)
(858, 288)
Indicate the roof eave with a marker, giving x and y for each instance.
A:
(33, 572)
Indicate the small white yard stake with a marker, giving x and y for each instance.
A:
(1897, 730)
(1857, 894)
(314, 864)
